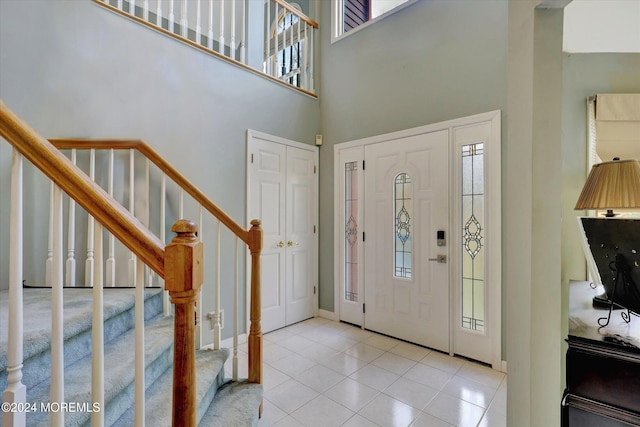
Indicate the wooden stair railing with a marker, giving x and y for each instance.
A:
(252, 237)
(180, 264)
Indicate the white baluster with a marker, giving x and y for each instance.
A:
(232, 43)
(120, 4)
(198, 332)
(274, 71)
(70, 271)
(110, 266)
(139, 350)
(311, 61)
(159, 13)
(235, 310)
(89, 263)
(97, 334)
(221, 39)
(132, 7)
(147, 184)
(210, 32)
(267, 37)
(16, 392)
(243, 48)
(57, 318)
(145, 10)
(299, 54)
(171, 17)
(132, 197)
(166, 303)
(184, 22)
(198, 27)
(181, 203)
(305, 56)
(217, 327)
(49, 263)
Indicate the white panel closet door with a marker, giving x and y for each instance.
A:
(283, 194)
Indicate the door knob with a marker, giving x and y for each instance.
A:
(290, 243)
(442, 259)
(281, 244)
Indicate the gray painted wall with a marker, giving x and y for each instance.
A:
(78, 70)
(449, 62)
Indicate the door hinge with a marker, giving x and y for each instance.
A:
(314, 290)
(363, 236)
(314, 169)
(363, 165)
(314, 229)
(363, 309)
(251, 157)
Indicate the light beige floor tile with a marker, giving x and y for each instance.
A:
(428, 375)
(359, 421)
(481, 374)
(270, 414)
(374, 377)
(293, 364)
(412, 393)
(469, 390)
(364, 352)
(387, 411)
(394, 363)
(290, 395)
(410, 351)
(444, 362)
(322, 412)
(382, 342)
(455, 411)
(352, 394)
(320, 378)
(343, 363)
(426, 420)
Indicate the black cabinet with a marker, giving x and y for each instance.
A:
(603, 366)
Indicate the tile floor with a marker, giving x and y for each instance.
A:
(324, 373)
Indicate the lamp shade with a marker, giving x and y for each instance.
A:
(612, 185)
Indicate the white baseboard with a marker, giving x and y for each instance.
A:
(331, 315)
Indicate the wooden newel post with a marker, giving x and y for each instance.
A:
(255, 330)
(183, 278)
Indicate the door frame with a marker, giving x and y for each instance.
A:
(493, 217)
(253, 134)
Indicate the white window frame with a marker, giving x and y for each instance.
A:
(336, 21)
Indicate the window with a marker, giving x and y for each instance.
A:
(402, 226)
(351, 231)
(473, 294)
(286, 48)
(351, 14)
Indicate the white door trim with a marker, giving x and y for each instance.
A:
(253, 134)
(493, 206)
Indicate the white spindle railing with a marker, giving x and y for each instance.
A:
(95, 267)
(226, 32)
(70, 267)
(57, 317)
(97, 335)
(103, 266)
(16, 391)
(89, 264)
(110, 265)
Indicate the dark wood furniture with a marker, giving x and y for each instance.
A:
(603, 366)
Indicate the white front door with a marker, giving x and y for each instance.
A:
(282, 194)
(406, 210)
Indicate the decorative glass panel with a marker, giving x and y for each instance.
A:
(473, 303)
(351, 231)
(403, 212)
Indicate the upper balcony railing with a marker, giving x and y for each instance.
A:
(274, 39)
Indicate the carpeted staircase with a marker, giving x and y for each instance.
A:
(220, 402)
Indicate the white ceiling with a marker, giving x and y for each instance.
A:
(602, 26)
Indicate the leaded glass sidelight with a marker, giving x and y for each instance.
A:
(351, 231)
(473, 292)
(402, 227)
